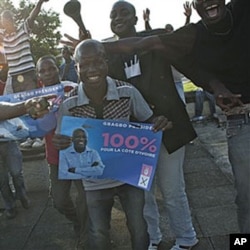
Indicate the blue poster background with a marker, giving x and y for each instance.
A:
(129, 151)
(25, 126)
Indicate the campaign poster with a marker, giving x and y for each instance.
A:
(128, 151)
(24, 126)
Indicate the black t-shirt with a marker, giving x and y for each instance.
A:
(225, 56)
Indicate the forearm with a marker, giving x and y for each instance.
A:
(34, 13)
(147, 25)
(187, 20)
(89, 171)
(130, 45)
(11, 110)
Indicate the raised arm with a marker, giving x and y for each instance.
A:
(146, 14)
(34, 13)
(36, 107)
(187, 11)
(130, 45)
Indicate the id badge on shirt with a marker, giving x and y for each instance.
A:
(134, 69)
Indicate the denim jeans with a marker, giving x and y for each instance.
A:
(62, 201)
(11, 162)
(7, 195)
(170, 179)
(239, 157)
(200, 97)
(100, 203)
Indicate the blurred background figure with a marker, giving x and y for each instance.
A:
(16, 42)
(201, 96)
(67, 68)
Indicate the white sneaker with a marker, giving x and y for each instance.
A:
(27, 144)
(37, 143)
(180, 247)
(153, 246)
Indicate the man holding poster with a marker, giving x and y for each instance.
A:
(99, 96)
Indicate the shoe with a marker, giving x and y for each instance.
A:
(27, 144)
(180, 247)
(10, 213)
(25, 202)
(153, 246)
(198, 118)
(37, 143)
(215, 116)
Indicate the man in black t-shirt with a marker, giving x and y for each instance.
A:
(214, 54)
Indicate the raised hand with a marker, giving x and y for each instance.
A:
(161, 123)
(188, 9)
(146, 14)
(39, 106)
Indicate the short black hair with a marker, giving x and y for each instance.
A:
(46, 57)
(80, 130)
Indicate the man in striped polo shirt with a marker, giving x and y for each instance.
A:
(16, 42)
(99, 96)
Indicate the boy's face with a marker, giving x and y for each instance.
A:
(48, 72)
(210, 11)
(123, 19)
(92, 66)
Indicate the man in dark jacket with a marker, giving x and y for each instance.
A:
(151, 74)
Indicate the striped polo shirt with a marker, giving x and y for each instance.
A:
(120, 103)
(17, 50)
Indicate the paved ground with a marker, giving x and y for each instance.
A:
(210, 191)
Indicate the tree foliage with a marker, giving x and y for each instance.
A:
(45, 34)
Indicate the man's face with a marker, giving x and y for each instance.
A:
(66, 54)
(123, 19)
(169, 28)
(79, 140)
(48, 72)
(92, 66)
(210, 11)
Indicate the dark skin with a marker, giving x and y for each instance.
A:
(37, 107)
(79, 139)
(92, 68)
(8, 20)
(47, 71)
(123, 19)
(225, 99)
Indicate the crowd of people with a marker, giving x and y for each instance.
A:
(134, 78)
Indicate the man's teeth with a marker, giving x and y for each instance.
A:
(93, 78)
(212, 7)
(212, 10)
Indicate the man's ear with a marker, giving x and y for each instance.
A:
(135, 20)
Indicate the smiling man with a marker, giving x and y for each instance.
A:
(80, 159)
(214, 53)
(101, 97)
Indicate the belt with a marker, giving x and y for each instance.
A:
(239, 119)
